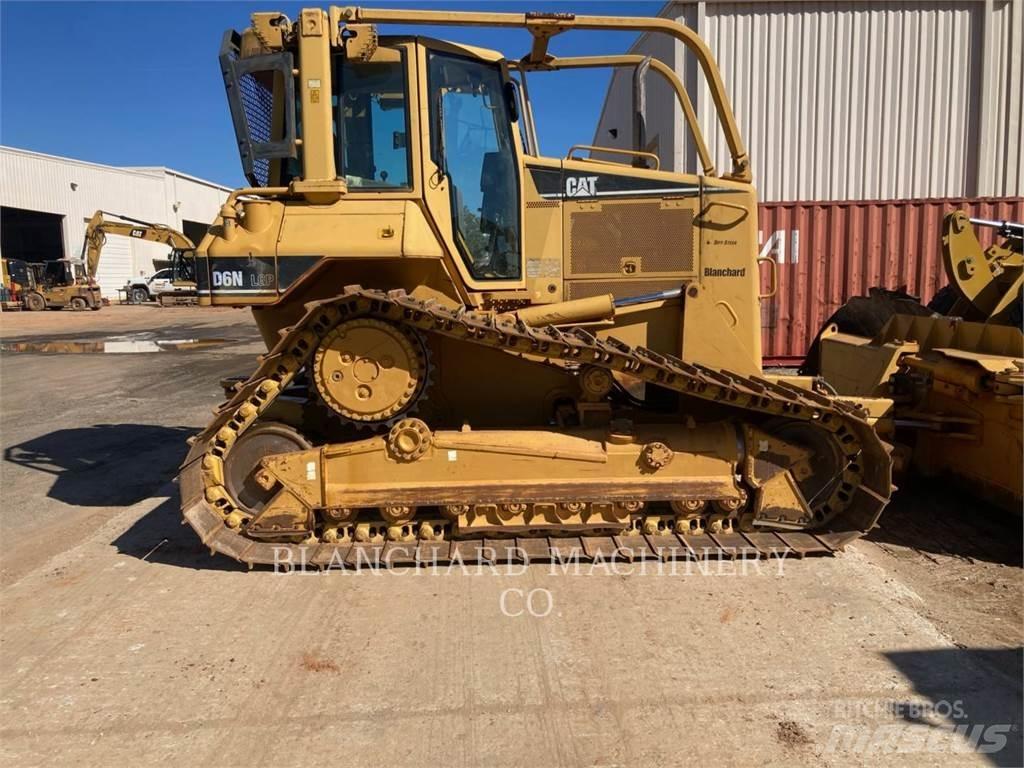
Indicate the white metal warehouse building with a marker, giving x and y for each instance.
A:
(846, 100)
(47, 201)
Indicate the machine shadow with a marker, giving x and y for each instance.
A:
(975, 692)
(160, 537)
(936, 517)
(105, 465)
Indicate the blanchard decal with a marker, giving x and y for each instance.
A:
(725, 271)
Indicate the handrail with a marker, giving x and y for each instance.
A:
(612, 151)
(634, 60)
(545, 25)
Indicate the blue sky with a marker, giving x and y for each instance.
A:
(137, 83)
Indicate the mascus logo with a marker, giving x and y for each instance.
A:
(725, 271)
(581, 186)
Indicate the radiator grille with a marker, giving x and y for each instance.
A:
(654, 239)
(621, 289)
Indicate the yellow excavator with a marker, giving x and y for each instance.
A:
(954, 369)
(476, 351)
(182, 257)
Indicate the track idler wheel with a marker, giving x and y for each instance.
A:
(243, 476)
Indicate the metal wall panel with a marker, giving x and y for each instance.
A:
(827, 252)
(116, 265)
(853, 100)
(1005, 142)
(75, 190)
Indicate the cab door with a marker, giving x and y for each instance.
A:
(160, 282)
(474, 167)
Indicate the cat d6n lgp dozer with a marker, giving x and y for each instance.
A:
(471, 344)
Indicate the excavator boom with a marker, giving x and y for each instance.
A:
(102, 224)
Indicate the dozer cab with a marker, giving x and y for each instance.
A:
(470, 342)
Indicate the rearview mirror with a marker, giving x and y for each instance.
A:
(511, 102)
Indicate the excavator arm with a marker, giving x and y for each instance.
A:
(100, 226)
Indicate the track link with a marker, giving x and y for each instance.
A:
(851, 509)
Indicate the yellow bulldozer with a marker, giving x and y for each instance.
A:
(954, 369)
(475, 347)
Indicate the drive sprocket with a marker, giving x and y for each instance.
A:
(370, 371)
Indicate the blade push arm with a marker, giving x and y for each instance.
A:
(988, 281)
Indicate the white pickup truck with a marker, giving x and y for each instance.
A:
(142, 289)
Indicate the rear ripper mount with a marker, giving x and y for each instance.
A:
(320, 511)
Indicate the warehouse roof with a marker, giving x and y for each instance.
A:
(140, 170)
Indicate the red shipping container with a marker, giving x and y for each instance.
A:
(826, 252)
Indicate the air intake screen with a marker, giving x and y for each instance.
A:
(631, 238)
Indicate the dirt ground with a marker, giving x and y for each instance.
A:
(123, 641)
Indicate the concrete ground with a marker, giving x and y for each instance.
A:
(123, 642)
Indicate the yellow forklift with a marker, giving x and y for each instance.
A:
(49, 285)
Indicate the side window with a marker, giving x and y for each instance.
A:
(373, 112)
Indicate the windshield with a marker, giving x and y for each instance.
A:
(472, 143)
(373, 143)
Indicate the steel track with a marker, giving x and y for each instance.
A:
(851, 509)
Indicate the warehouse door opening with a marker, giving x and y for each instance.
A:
(31, 235)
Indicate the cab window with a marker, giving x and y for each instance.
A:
(473, 144)
(373, 125)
